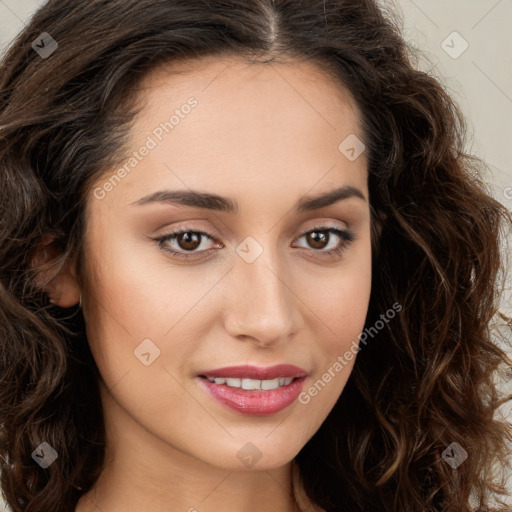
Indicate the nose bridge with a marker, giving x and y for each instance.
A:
(263, 307)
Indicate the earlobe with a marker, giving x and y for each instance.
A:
(378, 220)
(377, 225)
(63, 288)
(382, 219)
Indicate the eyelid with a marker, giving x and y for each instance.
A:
(345, 234)
(178, 231)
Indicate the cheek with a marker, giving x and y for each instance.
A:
(120, 313)
(343, 299)
(342, 305)
(137, 297)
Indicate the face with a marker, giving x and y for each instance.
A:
(221, 325)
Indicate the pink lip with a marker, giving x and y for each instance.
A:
(255, 402)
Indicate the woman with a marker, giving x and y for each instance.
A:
(246, 265)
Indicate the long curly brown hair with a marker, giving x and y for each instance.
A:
(425, 381)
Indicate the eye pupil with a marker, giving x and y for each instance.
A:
(188, 236)
(316, 235)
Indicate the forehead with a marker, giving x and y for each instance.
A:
(251, 125)
(228, 82)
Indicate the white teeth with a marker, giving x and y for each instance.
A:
(271, 384)
(252, 384)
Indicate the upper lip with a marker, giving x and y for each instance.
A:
(257, 372)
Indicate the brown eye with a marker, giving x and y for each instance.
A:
(320, 237)
(181, 242)
(186, 243)
(189, 240)
(317, 239)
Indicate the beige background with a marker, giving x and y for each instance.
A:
(480, 78)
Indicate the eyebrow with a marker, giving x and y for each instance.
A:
(225, 204)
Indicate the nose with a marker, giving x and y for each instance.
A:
(263, 306)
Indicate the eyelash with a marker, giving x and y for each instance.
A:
(346, 236)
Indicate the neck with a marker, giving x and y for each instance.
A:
(142, 472)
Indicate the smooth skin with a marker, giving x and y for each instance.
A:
(263, 135)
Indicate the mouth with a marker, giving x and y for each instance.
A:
(254, 390)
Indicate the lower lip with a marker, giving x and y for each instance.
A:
(255, 402)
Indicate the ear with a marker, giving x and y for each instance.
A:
(382, 219)
(378, 220)
(63, 289)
